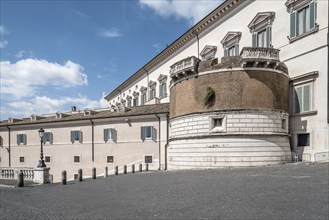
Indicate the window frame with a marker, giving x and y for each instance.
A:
(144, 132)
(19, 159)
(77, 156)
(107, 159)
(296, 7)
(110, 134)
(262, 23)
(21, 139)
(308, 140)
(148, 156)
(231, 43)
(47, 137)
(49, 159)
(78, 137)
(217, 129)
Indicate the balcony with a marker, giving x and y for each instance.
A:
(184, 67)
(260, 57)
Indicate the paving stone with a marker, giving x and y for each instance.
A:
(290, 191)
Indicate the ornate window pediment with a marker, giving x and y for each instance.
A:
(152, 83)
(261, 20)
(231, 37)
(208, 52)
(293, 4)
(143, 89)
(162, 78)
(135, 93)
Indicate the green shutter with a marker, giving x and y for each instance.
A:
(18, 139)
(293, 24)
(298, 99)
(51, 138)
(254, 40)
(114, 135)
(307, 98)
(154, 134)
(106, 135)
(312, 15)
(237, 50)
(268, 36)
(72, 136)
(24, 138)
(79, 134)
(143, 133)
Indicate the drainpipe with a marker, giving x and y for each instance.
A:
(159, 141)
(197, 37)
(167, 142)
(92, 142)
(328, 77)
(9, 150)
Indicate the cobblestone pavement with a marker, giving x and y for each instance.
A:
(276, 192)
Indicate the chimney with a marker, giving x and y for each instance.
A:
(73, 108)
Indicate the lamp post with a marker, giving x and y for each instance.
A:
(41, 161)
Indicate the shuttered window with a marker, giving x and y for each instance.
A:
(262, 38)
(76, 136)
(163, 90)
(110, 134)
(148, 132)
(47, 137)
(21, 139)
(302, 20)
(303, 98)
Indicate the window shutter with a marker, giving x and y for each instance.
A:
(114, 135)
(293, 24)
(24, 139)
(165, 89)
(18, 139)
(312, 15)
(254, 40)
(268, 36)
(143, 133)
(79, 133)
(307, 98)
(106, 135)
(226, 52)
(72, 136)
(237, 50)
(298, 99)
(51, 138)
(154, 134)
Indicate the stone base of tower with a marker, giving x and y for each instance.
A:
(228, 151)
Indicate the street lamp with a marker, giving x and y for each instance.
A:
(41, 161)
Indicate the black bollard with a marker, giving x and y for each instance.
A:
(125, 169)
(116, 170)
(106, 172)
(140, 168)
(147, 167)
(80, 175)
(20, 179)
(94, 173)
(133, 168)
(64, 177)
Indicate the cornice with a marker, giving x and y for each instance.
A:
(200, 27)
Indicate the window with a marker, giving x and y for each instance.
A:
(303, 140)
(148, 159)
(261, 29)
(47, 159)
(110, 134)
(152, 93)
(163, 90)
(76, 136)
(218, 123)
(109, 159)
(76, 159)
(208, 52)
(302, 18)
(143, 98)
(21, 139)
(47, 137)
(231, 44)
(75, 176)
(135, 101)
(148, 132)
(303, 98)
(129, 103)
(21, 159)
(1, 141)
(284, 124)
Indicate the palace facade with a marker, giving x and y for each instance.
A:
(246, 86)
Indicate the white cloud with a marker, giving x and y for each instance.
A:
(44, 105)
(110, 33)
(3, 30)
(20, 54)
(157, 47)
(25, 77)
(81, 14)
(192, 10)
(3, 44)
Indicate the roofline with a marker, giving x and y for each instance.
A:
(208, 20)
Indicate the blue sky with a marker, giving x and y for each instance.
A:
(56, 54)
